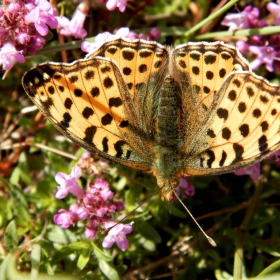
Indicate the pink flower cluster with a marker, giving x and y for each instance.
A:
(113, 4)
(75, 26)
(123, 32)
(185, 187)
(23, 24)
(266, 48)
(95, 206)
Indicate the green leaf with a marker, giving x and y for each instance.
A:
(85, 245)
(100, 254)
(11, 236)
(274, 267)
(147, 231)
(19, 204)
(260, 222)
(177, 212)
(35, 262)
(83, 259)
(108, 270)
(21, 171)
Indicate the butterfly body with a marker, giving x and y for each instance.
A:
(189, 111)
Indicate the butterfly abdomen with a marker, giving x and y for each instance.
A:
(168, 113)
(168, 139)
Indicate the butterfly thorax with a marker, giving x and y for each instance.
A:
(168, 138)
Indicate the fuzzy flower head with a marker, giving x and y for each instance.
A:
(94, 206)
(22, 25)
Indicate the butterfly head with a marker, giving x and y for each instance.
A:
(167, 187)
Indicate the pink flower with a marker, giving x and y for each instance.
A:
(94, 207)
(154, 33)
(248, 18)
(64, 218)
(242, 46)
(274, 9)
(75, 27)
(91, 232)
(9, 56)
(113, 4)
(67, 183)
(43, 15)
(265, 55)
(117, 234)
(104, 190)
(123, 32)
(99, 40)
(187, 188)
(22, 25)
(253, 171)
(276, 157)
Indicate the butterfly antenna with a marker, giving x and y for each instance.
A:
(210, 240)
(129, 214)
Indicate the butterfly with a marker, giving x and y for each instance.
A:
(196, 109)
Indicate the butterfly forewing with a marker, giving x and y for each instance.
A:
(84, 100)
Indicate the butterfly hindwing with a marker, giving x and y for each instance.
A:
(243, 128)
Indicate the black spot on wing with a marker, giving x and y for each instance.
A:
(106, 119)
(211, 158)
(87, 112)
(239, 150)
(223, 159)
(115, 102)
(222, 113)
(89, 134)
(66, 120)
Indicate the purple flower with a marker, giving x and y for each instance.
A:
(67, 183)
(276, 157)
(43, 15)
(94, 206)
(274, 9)
(187, 188)
(104, 190)
(113, 4)
(75, 26)
(117, 234)
(123, 32)
(265, 55)
(253, 171)
(99, 40)
(65, 218)
(248, 18)
(9, 56)
(154, 33)
(91, 232)
(22, 25)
